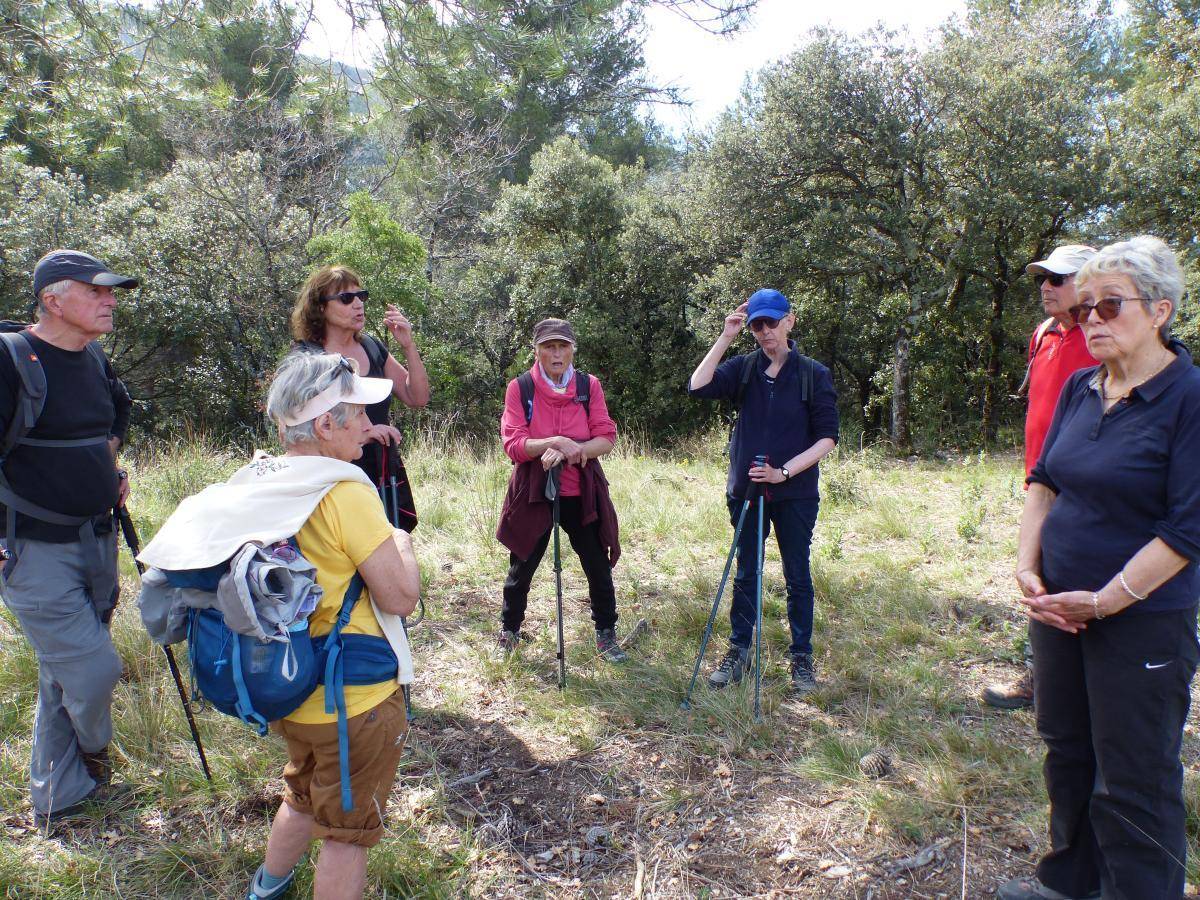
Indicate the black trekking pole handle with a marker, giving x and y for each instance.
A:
(135, 547)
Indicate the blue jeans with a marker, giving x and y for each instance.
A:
(794, 521)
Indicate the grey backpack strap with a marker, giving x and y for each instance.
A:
(31, 394)
(27, 407)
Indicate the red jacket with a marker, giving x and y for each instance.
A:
(1052, 360)
(527, 515)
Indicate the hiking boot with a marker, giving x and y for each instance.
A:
(607, 646)
(731, 669)
(98, 765)
(55, 816)
(804, 681)
(508, 642)
(258, 892)
(1032, 889)
(90, 805)
(1017, 695)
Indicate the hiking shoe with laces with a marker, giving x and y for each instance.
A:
(804, 679)
(731, 669)
(1017, 695)
(607, 646)
(508, 642)
(258, 892)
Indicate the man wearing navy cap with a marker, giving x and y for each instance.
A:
(788, 413)
(59, 484)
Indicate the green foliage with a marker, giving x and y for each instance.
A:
(895, 192)
(390, 259)
(579, 240)
(216, 248)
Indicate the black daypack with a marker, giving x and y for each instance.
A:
(583, 388)
(750, 363)
(27, 407)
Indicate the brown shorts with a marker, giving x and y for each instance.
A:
(313, 775)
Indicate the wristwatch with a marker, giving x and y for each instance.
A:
(786, 474)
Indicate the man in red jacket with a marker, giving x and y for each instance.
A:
(1056, 349)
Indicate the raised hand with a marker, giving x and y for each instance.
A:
(398, 324)
(734, 321)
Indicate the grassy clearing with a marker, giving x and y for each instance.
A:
(610, 786)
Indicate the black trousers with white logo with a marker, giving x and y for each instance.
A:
(1111, 705)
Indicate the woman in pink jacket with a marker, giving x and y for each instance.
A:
(555, 416)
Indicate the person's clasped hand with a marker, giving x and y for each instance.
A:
(384, 434)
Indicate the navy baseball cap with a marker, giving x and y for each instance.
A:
(767, 303)
(59, 265)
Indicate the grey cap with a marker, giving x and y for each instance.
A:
(1065, 260)
(60, 265)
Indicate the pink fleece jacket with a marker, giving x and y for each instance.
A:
(554, 414)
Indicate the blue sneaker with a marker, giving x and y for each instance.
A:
(258, 892)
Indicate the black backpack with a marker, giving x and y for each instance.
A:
(27, 407)
(750, 363)
(583, 388)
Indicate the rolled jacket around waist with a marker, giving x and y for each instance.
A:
(526, 514)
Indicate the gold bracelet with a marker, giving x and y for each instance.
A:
(1127, 589)
(1096, 604)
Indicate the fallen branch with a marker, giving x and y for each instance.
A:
(921, 858)
(471, 779)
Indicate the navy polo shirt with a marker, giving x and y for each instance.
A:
(1124, 478)
(774, 420)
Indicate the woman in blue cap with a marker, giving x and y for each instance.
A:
(787, 412)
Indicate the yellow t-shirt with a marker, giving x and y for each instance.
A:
(347, 526)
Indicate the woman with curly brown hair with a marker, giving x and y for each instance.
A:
(329, 317)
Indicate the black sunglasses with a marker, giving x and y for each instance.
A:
(760, 324)
(344, 365)
(347, 297)
(1106, 308)
(1055, 280)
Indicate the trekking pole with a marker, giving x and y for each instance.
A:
(552, 482)
(393, 515)
(758, 615)
(712, 614)
(131, 539)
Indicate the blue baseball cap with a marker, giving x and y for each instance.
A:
(767, 303)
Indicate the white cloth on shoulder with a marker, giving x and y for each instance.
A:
(267, 501)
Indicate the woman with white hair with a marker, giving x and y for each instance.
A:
(318, 404)
(1107, 564)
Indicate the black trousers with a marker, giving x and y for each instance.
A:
(1111, 705)
(586, 541)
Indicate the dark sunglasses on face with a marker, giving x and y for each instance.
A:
(760, 324)
(1055, 280)
(1106, 308)
(347, 297)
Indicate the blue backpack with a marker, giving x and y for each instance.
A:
(262, 681)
